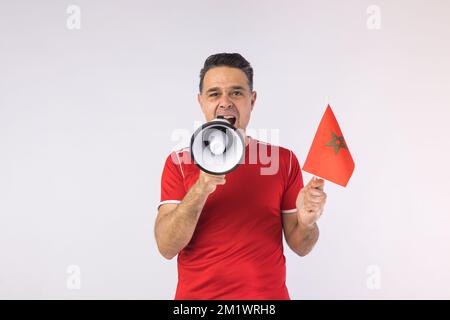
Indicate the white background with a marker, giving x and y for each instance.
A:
(86, 118)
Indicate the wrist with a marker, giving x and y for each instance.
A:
(200, 189)
(306, 227)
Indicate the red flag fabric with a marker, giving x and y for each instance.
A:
(329, 156)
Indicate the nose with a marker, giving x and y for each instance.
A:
(225, 103)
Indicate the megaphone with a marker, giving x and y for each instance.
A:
(217, 147)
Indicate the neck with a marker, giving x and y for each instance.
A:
(244, 134)
(247, 140)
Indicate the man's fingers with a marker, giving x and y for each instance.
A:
(215, 176)
(218, 180)
(211, 175)
(315, 198)
(315, 195)
(313, 206)
(318, 184)
(319, 199)
(316, 192)
(211, 179)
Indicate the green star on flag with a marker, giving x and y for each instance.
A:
(337, 142)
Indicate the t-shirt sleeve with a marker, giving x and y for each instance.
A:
(172, 186)
(293, 186)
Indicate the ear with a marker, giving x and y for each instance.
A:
(200, 100)
(253, 99)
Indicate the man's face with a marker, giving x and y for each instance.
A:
(226, 92)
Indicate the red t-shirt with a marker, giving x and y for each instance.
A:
(236, 251)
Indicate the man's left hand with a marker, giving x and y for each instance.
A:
(310, 202)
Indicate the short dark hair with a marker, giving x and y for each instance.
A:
(233, 60)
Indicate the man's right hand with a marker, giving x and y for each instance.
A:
(208, 182)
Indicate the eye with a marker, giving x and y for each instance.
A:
(237, 93)
(214, 94)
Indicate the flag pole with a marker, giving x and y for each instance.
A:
(327, 103)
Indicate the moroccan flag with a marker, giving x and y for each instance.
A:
(329, 156)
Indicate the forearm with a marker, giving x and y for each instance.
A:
(175, 230)
(302, 239)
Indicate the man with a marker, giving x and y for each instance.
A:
(227, 231)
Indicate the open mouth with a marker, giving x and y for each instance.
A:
(231, 119)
